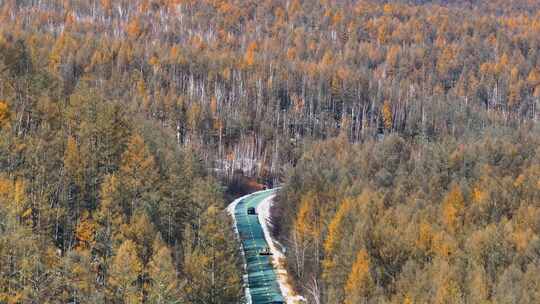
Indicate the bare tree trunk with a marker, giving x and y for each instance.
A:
(313, 288)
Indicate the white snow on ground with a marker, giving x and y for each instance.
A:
(263, 211)
(230, 210)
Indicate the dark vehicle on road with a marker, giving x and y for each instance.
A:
(265, 251)
(251, 210)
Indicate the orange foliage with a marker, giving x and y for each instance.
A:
(522, 237)
(335, 232)
(250, 53)
(478, 195)
(134, 28)
(85, 232)
(306, 223)
(388, 116)
(452, 208)
(5, 114)
(534, 78)
(213, 105)
(359, 282)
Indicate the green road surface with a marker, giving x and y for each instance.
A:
(262, 282)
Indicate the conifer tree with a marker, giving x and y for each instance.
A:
(124, 275)
(162, 275)
(138, 175)
(359, 283)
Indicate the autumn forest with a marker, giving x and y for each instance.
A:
(404, 136)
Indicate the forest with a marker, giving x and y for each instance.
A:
(404, 134)
(393, 221)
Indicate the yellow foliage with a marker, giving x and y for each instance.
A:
(125, 270)
(26, 213)
(487, 68)
(522, 238)
(478, 195)
(193, 116)
(359, 282)
(514, 94)
(154, 61)
(291, 53)
(383, 33)
(388, 9)
(443, 245)
(62, 47)
(20, 192)
(534, 78)
(388, 116)
(445, 61)
(335, 85)
(72, 160)
(448, 293)
(13, 197)
(335, 232)
(162, 272)
(5, 115)
(141, 88)
(85, 232)
(425, 237)
(502, 65)
(108, 188)
(10, 298)
(327, 60)
(337, 18)
(452, 208)
(137, 165)
(6, 188)
(303, 224)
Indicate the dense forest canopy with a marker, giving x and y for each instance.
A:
(244, 80)
(409, 126)
(449, 221)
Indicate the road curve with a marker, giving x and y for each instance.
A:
(262, 284)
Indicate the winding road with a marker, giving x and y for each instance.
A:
(262, 283)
